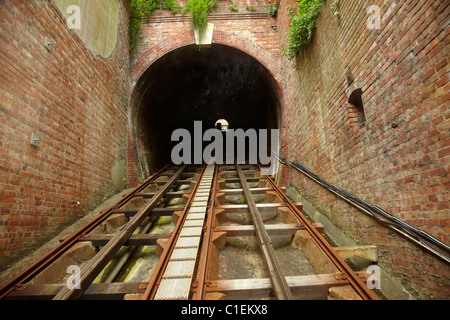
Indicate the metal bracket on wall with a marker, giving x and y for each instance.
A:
(35, 139)
(48, 44)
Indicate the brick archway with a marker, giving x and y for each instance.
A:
(269, 60)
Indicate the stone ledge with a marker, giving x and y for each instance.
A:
(368, 252)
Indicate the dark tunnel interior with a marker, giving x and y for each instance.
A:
(201, 84)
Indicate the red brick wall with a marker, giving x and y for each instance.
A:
(399, 159)
(75, 103)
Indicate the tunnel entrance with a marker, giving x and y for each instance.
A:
(191, 84)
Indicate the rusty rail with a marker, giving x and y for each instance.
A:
(55, 253)
(354, 280)
(19, 287)
(102, 258)
(281, 286)
(278, 283)
(278, 280)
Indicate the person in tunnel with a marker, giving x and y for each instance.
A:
(222, 125)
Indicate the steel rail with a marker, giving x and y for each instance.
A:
(205, 253)
(354, 280)
(278, 280)
(163, 261)
(67, 243)
(101, 259)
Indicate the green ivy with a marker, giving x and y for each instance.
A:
(141, 8)
(272, 9)
(302, 25)
(173, 6)
(335, 9)
(200, 10)
(134, 25)
(233, 7)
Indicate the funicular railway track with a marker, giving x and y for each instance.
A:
(210, 208)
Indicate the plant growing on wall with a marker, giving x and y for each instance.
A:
(272, 9)
(200, 10)
(134, 25)
(173, 6)
(141, 8)
(233, 7)
(302, 25)
(335, 9)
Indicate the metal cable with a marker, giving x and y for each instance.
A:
(419, 236)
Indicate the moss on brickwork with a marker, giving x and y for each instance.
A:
(199, 9)
(137, 9)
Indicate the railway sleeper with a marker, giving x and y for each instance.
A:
(235, 266)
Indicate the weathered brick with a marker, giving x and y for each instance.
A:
(403, 72)
(39, 93)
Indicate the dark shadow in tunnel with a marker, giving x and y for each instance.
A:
(191, 84)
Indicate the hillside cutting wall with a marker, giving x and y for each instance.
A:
(74, 101)
(399, 157)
